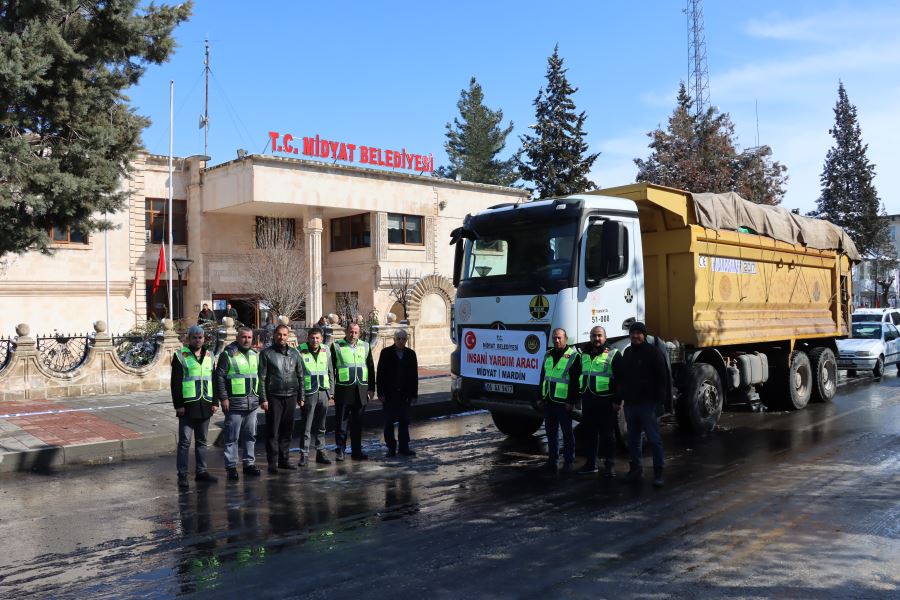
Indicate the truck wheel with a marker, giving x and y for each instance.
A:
(799, 381)
(824, 370)
(878, 371)
(516, 426)
(700, 408)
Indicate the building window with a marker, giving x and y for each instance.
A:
(275, 232)
(404, 229)
(348, 233)
(67, 235)
(155, 221)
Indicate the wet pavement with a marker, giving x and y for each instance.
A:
(784, 505)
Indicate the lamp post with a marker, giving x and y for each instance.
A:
(181, 265)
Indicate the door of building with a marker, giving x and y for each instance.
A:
(247, 308)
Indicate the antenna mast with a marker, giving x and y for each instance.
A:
(205, 120)
(698, 82)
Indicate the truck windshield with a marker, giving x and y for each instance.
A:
(533, 254)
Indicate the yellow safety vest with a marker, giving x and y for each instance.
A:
(196, 377)
(241, 369)
(596, 372)
(351, 363)
(315, 370)
(556, 377)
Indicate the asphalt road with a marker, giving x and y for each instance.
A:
(777, 505)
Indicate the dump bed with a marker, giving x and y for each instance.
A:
(715, 287)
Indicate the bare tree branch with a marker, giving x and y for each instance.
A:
(402, 282)
(277, 268)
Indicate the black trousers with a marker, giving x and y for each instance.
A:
(396, 411)
(279, 428)
(348, 416)
(599, 419)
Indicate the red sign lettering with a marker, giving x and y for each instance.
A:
(318, 147)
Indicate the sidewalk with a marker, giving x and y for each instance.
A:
(45, 434)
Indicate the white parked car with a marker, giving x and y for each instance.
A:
(877, 315)
(874, 346)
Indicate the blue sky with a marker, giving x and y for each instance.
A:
(389, 74)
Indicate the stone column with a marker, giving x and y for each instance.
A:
(312, 232)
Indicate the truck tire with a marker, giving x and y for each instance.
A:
(878, 371)
(516, 426)
(699, 409)
(799, 381)
(824, 370)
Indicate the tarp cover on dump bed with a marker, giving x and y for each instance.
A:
(730, 211)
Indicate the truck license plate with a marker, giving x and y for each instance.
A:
(503, 388)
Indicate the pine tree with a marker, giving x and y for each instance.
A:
(557, 164)
(67, 132)
(849, 198)
(699, 153)
(473, 144)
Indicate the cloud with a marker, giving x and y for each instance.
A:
(825, 27)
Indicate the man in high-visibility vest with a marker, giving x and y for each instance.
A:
(355, 386)
(236, 385)
(194, 402)
(559, 391)
(599, 403)
(318, 389)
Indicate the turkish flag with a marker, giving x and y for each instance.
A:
(160, 266)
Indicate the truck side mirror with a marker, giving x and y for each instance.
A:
(457, 262)
(614, 241)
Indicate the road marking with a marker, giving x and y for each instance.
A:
(61, 411)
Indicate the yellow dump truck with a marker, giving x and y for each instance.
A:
(746, 300)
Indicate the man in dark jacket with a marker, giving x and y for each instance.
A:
(280, 382)
(352, 359)
(206, 315)
(194, 402)
(559, 392)
(398, 386)
(236, 386)
(643, 376)
(599, 404)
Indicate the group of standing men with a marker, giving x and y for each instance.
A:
(602, 379)
(280, 379)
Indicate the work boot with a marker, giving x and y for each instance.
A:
(287, 466)
(183, 481)
(407, 452)
(303, 460)
(233, 474)
(339, 455)
(634, 475)
(252, 470)
(359, 456)
(587, 469)
(658, 477)
(205, 477)
(322, 458)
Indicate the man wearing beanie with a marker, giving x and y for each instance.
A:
(642, 377)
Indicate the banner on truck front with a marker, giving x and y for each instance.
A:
(502, 355)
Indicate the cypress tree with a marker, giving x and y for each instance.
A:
(557, 163)
(67, 132)
(849, 198)
(475, 139)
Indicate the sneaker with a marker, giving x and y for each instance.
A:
(658, 477)
(408, 452)
(304, 460)
(391, 453)
(339, 455)
(322, 458)
(183, 481)
(634, 475)
(252, 470)
(287, 466)
(233, 475)
(359, 456)
(205, 477)
(587, 469)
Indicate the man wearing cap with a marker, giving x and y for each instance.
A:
(642, 376)
(318, 389)
(237, 388)
(559, 391)
(599, 404)
(194, 402)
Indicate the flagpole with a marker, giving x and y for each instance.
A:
(169, 208)
(106, 271)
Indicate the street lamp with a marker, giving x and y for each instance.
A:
(181, 265)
